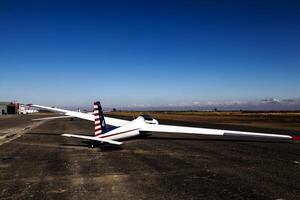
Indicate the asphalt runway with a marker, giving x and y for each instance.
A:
(43, 165)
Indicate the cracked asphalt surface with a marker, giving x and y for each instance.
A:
(43, 165)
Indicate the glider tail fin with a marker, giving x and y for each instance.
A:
(100, 125)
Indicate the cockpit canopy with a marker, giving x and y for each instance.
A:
(147, 116)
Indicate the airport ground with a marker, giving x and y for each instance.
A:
(37, 163)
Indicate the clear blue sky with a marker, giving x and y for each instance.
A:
(148, 52)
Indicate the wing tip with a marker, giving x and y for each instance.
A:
(295, 137)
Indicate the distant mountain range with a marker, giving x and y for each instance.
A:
(271, 104)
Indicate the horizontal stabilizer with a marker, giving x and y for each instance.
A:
(93, 138)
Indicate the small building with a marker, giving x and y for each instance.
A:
(23, 109)
(8, 108)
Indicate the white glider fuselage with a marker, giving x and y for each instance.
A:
(132, 129)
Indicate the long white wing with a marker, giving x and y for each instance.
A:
(207, 131)
(48, 118)
(93, 138)
(109, 120)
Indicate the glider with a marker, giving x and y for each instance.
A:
(126, 129)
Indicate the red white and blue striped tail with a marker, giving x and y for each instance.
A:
(100, 125)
